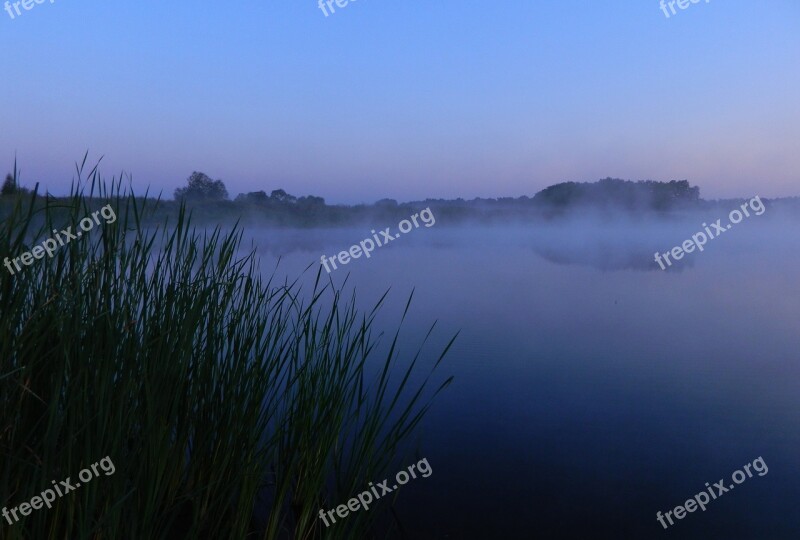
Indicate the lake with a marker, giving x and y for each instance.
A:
(592, 389)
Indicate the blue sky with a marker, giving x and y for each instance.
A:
(406, 99)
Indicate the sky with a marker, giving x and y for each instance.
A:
(405, 99)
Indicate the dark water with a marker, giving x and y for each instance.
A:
(593, 389)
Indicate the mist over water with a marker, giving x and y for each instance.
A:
(547, 249)
(592, 389)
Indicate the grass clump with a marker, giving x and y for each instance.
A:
(232, 407)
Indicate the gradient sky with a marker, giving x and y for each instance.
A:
(405, 99)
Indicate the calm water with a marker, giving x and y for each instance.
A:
(591, 388)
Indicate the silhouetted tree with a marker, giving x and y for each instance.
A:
(310, 201)
(613, 192)
(281, 197)
(202, 188)
(255, 197)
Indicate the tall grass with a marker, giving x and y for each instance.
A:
(232, 406)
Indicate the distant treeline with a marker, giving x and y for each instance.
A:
(614, 193)
(209, 201)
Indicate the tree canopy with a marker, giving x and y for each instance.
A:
(613, 192)
(200, 187)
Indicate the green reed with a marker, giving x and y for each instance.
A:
(232, 406)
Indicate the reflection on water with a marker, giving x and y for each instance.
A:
(590, 393)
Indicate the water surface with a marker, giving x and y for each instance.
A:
(593, 389)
